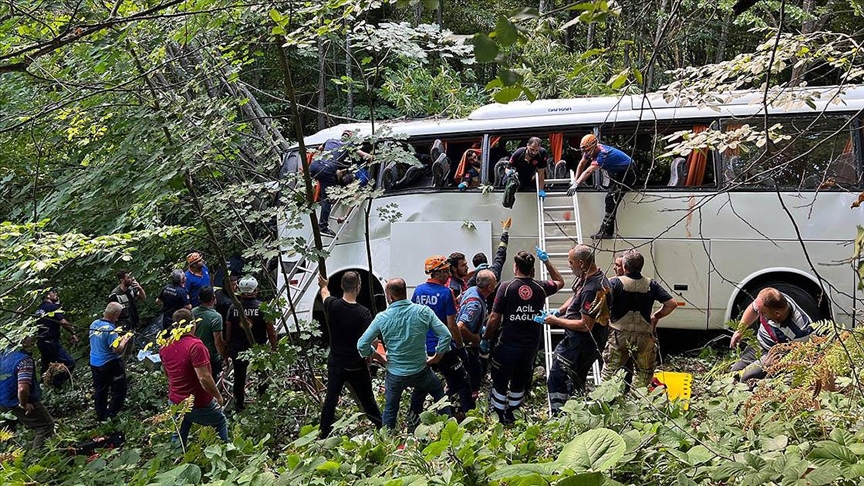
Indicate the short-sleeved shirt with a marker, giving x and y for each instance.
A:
(252, 309)
(211, 322)
(584, 292)
(48, 316)
(173, 297)
(129, 300)
(179, 359)
(472, 310)
(102, 335)
(518, 302)
(438, 298)
(631, 301)
(347, 322)
(796, 326)
(611, 159)
(527, 169)
(194, 284)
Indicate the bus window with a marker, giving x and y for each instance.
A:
(646, 143)
(438, 163)
(818, 155)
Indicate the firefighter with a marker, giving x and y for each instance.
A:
(632, 324)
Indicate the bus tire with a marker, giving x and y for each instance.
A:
(804, 298)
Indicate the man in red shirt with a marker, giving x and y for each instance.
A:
(187, 364)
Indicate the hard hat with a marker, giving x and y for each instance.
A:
(436, 262)
(588, 142)
(247, 285)
(194, 257)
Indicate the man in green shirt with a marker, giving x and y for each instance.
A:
(209, 330)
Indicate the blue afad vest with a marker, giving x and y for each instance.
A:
(9, 382)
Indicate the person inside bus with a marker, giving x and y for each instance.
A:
(622, 172)
(336, 154)
(776, 319)
(529, 162)
(468, 173)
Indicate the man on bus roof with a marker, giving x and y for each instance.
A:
(622, 172)
(528, 162)
(326, 170)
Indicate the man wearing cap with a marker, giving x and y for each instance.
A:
(402, 327)
(20, 393)
(173, 297)
(127, 293)
(237, 337)
(49, 319)
(622, 172)
(197, 277)
(437, 296)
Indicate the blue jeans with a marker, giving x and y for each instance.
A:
(210, 415)
(424, 381)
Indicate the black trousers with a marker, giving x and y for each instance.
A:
(621, 182)
(241, 371)
(109, 377)
(52, 352)
(458, 383)
(476, 368)
(360, 383)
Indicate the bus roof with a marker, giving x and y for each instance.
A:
(605, 110)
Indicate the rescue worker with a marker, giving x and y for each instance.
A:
(50, 318)
(471, 321)
(622, 172)
(437, 296)
(458, 274)
(517, 303)
(325, 169)
(584, 338)
(525, 164)
(632, 324)
(776, 318)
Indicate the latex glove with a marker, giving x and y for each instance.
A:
(541, 194)
(505, 225)
(541, 317)
(462, 186)
(484, 346)
(509, 172)
(542, 255)
(572, 190)
(554, 312)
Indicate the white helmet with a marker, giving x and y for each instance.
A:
(247, 285)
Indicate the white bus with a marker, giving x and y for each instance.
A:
(715, 227)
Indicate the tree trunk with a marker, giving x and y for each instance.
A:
(322, 79)
(349, 102)
(649, 78)
(807, 27)
(440, 13)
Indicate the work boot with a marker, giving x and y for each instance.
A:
(607, 228)
(327, 232)
(504, 418)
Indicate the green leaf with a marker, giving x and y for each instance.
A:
(485, 49)
(597, 449)
(434, 449)
(505, 32)
(509, 77)
(823, 475)
(831, 453)
(328, 466)
(583, 479)
(506, 95)
(275, 15)
(523, 470)
(683, 480)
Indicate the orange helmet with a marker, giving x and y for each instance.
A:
(436, 262)
(588, 142)
(194, 257)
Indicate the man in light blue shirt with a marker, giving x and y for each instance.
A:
(106, 363)
(402, 328)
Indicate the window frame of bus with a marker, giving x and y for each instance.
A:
(422, 139)
(853, 130)
(671, 126)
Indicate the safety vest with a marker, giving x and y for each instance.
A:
(633, 301)
(9, 381)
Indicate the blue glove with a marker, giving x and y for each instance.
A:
(484, 346)
(542, 255)
(541, 194)
(483, 330)
(554, 312)
(541, 317)
(462, 186)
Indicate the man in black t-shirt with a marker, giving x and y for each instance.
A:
(49, 318)
(585, 334)
(516, 305)
(529, 161)
(237, 336)
(347, 321)
(127, 293)
(173, 298)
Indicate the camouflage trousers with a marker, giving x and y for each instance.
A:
(623, 345)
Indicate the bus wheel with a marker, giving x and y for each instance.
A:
(804, 298)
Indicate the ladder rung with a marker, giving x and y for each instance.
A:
(557, 254)
(558, 208)
(560, 238)
(551, 223)
(558, 181)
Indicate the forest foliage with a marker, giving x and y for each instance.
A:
(132, 132)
